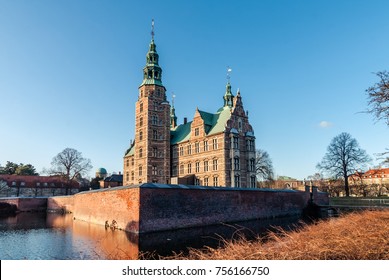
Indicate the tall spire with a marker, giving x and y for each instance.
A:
(173, 117)
(152, 30)
(228, 96)
(152, 73)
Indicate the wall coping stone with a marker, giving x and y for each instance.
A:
(187, 187)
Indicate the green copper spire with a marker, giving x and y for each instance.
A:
(228, 96)
(152, 73)
(173, 117)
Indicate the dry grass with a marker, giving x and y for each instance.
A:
(355, 236)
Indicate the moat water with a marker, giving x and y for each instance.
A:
(49, 236)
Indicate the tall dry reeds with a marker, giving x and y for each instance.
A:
(355, 236)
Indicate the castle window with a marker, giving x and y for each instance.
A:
(154, 170)
(235, 143)
(141, 119)
(181, 151)
(132, 161)
(141, 135)
(236, 164)
(155, 152)
(141, 107)
(154, 120)
(197, 181)
(127, 162)
(215, 181)
(155, 134)
(189, 168)
(240, 124)
(215, 162)
(205, 146)
(253, 182)
(237, 181)
(132, 176)
(181, 169)
(140, 170)
(197, 131)
(189, 149)
(127, 176)
(250, 145)
(197, 147)
(252, 165)
(197, 166)
(140, 152)
(206, 181)
(214, 143)
(205, 166)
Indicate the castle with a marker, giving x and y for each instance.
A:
(214, 149)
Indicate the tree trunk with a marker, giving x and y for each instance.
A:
(346, 187)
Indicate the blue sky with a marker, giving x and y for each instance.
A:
(70, 70)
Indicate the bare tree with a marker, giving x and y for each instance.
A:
(263, 166)
(70, 163)
(342, 158)
(378, 97)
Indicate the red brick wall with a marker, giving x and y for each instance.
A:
(163, 207)
(61, 203)
(27, 204)
(120, 204)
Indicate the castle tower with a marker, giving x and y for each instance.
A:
(152, 124)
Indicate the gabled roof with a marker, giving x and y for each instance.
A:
(114, 178)
(214, 123)
(130, 151)
(180, 133)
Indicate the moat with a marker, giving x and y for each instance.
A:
(50, 236)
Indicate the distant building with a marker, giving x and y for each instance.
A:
(213, 149)
(114, 180)
(101, 173)
(29, 185)
(377, 176)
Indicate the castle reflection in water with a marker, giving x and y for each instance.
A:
(53, 236)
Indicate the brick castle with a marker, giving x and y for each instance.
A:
(214, 149)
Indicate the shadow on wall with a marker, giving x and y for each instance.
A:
(7, 209)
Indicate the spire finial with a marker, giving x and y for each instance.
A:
(152, 29)
(173, 96)
(229, 70)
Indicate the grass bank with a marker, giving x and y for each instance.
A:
(354, 236)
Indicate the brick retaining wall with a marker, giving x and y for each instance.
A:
(27, 203)
(61, 203)
(154, 207)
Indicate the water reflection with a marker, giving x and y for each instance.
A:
(53, 236)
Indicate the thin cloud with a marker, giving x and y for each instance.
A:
(325, 124)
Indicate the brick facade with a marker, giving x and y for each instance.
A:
(211, 150)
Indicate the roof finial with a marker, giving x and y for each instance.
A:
(229, 70)
(173, 96)
(152, 29)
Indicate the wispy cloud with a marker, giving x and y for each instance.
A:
(325, 124)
